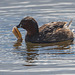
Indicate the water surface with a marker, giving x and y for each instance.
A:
(28, 58)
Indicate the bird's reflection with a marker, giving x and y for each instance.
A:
(17, 44)
(31, 52)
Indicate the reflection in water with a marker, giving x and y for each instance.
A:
(35, 51)
(31, 53)
(17, 44)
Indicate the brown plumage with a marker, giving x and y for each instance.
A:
(50, 32)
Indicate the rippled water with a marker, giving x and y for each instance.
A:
(35, 59)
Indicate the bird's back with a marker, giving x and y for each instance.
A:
(55, 32)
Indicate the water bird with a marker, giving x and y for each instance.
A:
(48, 33)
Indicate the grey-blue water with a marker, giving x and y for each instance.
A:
(35, 59)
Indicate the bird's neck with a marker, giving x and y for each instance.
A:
(32, 32)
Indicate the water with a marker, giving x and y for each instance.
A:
(27, 58)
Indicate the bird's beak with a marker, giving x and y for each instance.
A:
(18, 26)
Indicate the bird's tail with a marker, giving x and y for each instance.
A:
(69, 23)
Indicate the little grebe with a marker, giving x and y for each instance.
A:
(50, 32)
